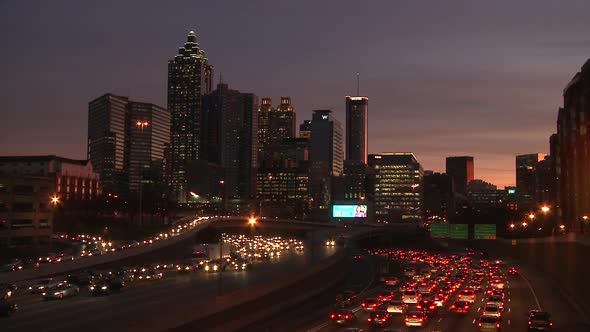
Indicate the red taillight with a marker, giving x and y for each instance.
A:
(407, 319)
(530, 323)
(453, 306)
(369, 319)
(364, 304)
(421, 320)
(550, 323)
(479, 324)
(346, 317)
(497, 325)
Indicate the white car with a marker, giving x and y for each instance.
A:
(411, 296)
(398, 307)
(491, 310)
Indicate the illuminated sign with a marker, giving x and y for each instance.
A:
(324, 117)
(349, 211)
(511, 191)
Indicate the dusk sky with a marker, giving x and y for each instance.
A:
(480, 78)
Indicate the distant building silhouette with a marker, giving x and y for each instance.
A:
(461, 169)
(357, 139)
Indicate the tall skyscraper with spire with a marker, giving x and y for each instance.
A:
(357, 141)
(189, 78)
(274, 126)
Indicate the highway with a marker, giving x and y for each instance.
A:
(143, 301)
(526, 291)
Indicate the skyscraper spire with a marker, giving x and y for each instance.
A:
(358, 83)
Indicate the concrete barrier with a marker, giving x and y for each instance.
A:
(88, 262)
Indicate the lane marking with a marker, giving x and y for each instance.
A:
(532, 291)
(473, 322)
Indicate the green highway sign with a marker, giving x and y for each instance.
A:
(439, 230)
(459, 231)
(484, 232)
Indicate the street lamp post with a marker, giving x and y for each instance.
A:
(141, 125)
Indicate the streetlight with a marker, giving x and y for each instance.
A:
(545, 209)
(252, 221)
(141, 125)
(512, 226)
(531, 216)
(524, 224)
(54, 200)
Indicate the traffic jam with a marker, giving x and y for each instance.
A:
(430, 287)
(235, 254)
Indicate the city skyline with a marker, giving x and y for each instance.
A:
(512, 111)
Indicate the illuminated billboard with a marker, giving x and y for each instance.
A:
(349, 211)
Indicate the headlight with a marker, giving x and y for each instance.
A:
(206, 267)
(56, 293)
(91, 287)
(103, 287)
(30, 288)
(44, 294)
(215, 267)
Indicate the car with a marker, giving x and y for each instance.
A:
(83, 278)
(491, 310)
(7, 308)
(539, 321)
(385, 295)
(489, 323)
(148, 274)
(427, 306)
(355, 257)
(440, 299)
(346, 298)
(497, 284)
(62, 258)
(460, 307)
(379, 317)
(370, 304)
(411, 296)
(342, 317)
(27, 264)
(42, 285)
(353, 329)
(330, 243)
(466, 295)
(496, 300)
(512, 271)
(215, 265)
(185, 267)
(416, 318)
(107, 285)
(7, 290)
(398, 307)
(390, 280)
(425, 288)
(61, 291)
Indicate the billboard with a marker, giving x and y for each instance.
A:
(349, 211)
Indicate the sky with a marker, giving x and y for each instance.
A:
(444, 78)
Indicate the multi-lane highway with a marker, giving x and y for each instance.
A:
(143, 301)
(523, 292)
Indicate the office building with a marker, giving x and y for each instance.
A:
(354, 180)
(189, 79)
(325, 156)
(26, 209)
(526, 185)
(397, 187)
(461, 170)
(71, 180)
(107, 122)
(274, 125)
(572, 147)
(357, 141)
(148, 134)
(544, 182)
(235, 147)
(305, 129)
(294, 151)
(483, 196)
(439, 201)
(283, 191)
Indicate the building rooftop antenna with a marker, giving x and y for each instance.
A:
(358, 83)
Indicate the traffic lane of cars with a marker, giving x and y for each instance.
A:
(518, 301)
(140, 299)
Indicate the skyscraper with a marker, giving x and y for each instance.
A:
(236, 129)
(305, 129)
(189, 78)
(325, 156)
(357, 142)
(107, 121)
(327, 141)
(439, 203)
(148, 133)
(397, 187)
(275, 125)
(461, 170)
(526, 185)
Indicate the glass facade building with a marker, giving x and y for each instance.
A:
(189, 78)
(397, 187)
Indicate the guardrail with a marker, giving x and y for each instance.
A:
(87, 262)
